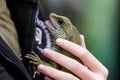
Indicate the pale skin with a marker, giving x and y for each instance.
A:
(89, 69)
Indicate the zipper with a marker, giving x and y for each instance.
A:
(34, 26)
(36, 13)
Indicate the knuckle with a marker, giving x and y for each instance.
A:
(103, 74)
(106, 72)
(52, 73)
(84, 54)
(74, 66)
(73, 78)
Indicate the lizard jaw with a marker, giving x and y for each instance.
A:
(50, 25)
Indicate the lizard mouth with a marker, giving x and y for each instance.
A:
(50, 24)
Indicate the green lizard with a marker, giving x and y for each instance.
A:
(60, 27)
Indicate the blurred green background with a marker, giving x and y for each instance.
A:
(97, 21)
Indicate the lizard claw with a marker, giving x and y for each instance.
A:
(36, 73)
(34, 58)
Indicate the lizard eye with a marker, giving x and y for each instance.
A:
(60, 21)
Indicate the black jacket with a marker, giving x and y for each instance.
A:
(10, 67)
(28, 17)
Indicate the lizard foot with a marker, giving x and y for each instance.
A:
(34, 58)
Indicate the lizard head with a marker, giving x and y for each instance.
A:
(59, 25)
(61, 21)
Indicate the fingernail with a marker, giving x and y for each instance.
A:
(45, 51)
(82, 36)
(41, 68)
(59, 40)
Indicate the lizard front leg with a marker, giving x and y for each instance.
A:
(35, 60)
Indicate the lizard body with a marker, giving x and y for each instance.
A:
(60, 27)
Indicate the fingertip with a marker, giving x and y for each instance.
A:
(82, 41)
(59, 40)
(82, 36)
(41, 67)
(47, 78)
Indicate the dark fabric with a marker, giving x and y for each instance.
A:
(24, 13)
(4, 75)
(10, 67)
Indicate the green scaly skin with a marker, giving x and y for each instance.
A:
(60, 27)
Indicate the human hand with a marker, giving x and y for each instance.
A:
(90, 69)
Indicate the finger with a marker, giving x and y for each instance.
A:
(55, 74)
(86, 57)
(47, 78)
(72, 65)
(82, 41)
